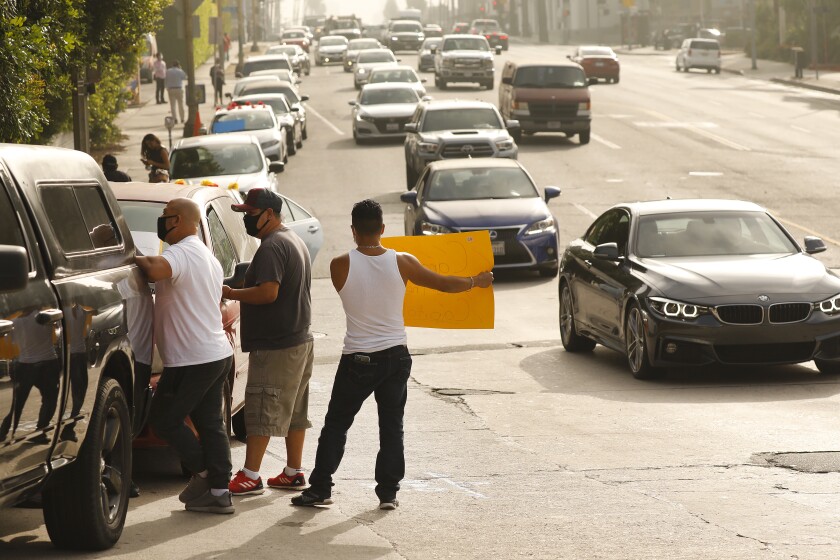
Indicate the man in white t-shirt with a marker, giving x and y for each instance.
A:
(197, 356)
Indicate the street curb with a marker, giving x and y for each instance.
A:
(732, 71)
(805, 85)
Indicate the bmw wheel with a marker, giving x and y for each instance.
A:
(635, 345)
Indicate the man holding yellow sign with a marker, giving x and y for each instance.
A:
(371, 281)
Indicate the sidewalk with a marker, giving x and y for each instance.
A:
(739, 63)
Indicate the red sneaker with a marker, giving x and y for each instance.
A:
(241, 485)
(282, 480)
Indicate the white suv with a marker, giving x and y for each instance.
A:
(699, 53)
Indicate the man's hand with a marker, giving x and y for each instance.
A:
(483, 279)
(226, 292)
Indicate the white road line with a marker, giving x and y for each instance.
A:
(800, 129)
(701, 132)
(705, 173)
(615, 180)
(605, 142)
(584, 210)
(328, 123)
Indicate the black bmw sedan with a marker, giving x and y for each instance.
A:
(676, 283)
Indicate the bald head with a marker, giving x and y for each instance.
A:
(189, 217)
(186, 208)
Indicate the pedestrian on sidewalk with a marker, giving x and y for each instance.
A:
(276, 315)
(159, 74)
(217, 77)
(109, 167)
(155, 157)
(371, 282)
(197, 356)
(226, 40)
(175, 88)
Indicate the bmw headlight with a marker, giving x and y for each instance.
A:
(676, 309)
(504, 145)
(543, 226)
(429, 228)
(830, 306)
(427, 147)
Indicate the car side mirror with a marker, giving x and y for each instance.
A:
(409, 197)
(304, 98)
(498, 49)
(238, 278)
(607, 252)
(352, 103)
(426, 98)
(551, 192)
(14, 268)
(238, 75)
(410, 127)
(294, 109)
(814, 245)
(507, 80)
(276, 167)
(423, 80)
(512, 124)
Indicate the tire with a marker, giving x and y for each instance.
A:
(549, 272)
(635, 346)
(443, 84)
(571, 340)
(677, 65)
(708, 70)
(85, 503)
(489, 84)
(517, 135)
(717, 70)
(437, 81)
(303, 134)
(615, 80)
(584, 136)
(410, 177)
(828, 367)
(290, 142)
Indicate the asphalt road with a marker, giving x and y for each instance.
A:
(514, 447)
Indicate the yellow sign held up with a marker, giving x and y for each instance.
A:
(455, 254)
(628, 3)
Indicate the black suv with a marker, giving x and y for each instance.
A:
(75, 344)
(456, 129)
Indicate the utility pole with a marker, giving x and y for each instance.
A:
(815, 55)
(752, 34)
(240, 31)
(192, 100)
(81, 137)
(255, 13)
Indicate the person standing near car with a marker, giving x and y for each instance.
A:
(197, 356)
(371, 282)
(156, 158)
(217, 76)
(276, 315)
(159, 74)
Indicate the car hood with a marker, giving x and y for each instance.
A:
(332, 49)
(566, 95)
(389, 109)
(466, 54)
(369, 65)
(487, 213)
(467, 135)
(795, 277)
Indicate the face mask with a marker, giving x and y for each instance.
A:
(251, 224)
(162, 232)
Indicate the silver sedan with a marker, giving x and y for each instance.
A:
(381, 111)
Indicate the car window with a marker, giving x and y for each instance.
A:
(596, 51)
(550, 77)
(222, 247)
(243, 244)
(398, 76)
(406, 28)
(297, 211)
(376, 56)
(466, 44)
(607, 228)
(477, 184)
(705, 45)
(278, 104)
(456, 119)
(429, 43)
(215, 159)
(10, 233)
(77, 231)
(379, 96)
(236, 121)
(332, 41)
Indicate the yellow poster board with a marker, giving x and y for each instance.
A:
(455, 254)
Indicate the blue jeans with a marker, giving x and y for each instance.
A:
(198, 392)
(385, 374)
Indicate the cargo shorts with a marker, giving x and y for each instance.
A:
(277, 393)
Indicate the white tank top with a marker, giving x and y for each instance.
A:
(373, 298)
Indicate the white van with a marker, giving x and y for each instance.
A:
(699, 53)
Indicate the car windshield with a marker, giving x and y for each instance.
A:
(378, 56)
(705, 45)
(271, 64)
(406, 28)
(456, 119)
(291, 95)
(404, 75)
(236, 121)
(429, 43)
(282, 49)
(692, 234)
(332, 41)
(285, 75)
(550, 77)
(597, 51)
(294, 35)
(380, 96)
(487, 25)
(278, 104)
(466, 44)
(345, 24)
(475, 184)
(212, 160)
(359, 44)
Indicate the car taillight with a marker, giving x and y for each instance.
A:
(503, 36)
(487, 36)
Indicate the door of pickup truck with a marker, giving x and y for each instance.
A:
(31, 359)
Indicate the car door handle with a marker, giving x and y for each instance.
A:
(48, 316)
(312, 229)
(6, 327)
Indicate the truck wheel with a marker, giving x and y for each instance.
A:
(85, 503)
(584, 136)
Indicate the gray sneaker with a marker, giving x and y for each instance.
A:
(390, 504)
(208, 503)
(196, 487)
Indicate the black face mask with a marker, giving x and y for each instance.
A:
(251, 224)
(162, 232)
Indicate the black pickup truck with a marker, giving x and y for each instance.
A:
(75, 344)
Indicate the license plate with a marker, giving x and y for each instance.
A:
(555, 124)
(392, 127)
(599, 64)
(498, 247)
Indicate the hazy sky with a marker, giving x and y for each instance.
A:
(370, 11)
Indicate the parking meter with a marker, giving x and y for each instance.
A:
(169, 123)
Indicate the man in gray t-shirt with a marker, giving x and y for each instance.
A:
(276, 314)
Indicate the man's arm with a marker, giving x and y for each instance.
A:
(155, 268)
(258, 295)
(411, 269)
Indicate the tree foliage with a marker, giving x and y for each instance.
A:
(798, 29)
(45, 40)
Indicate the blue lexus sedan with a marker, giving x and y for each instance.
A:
(497, 195)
